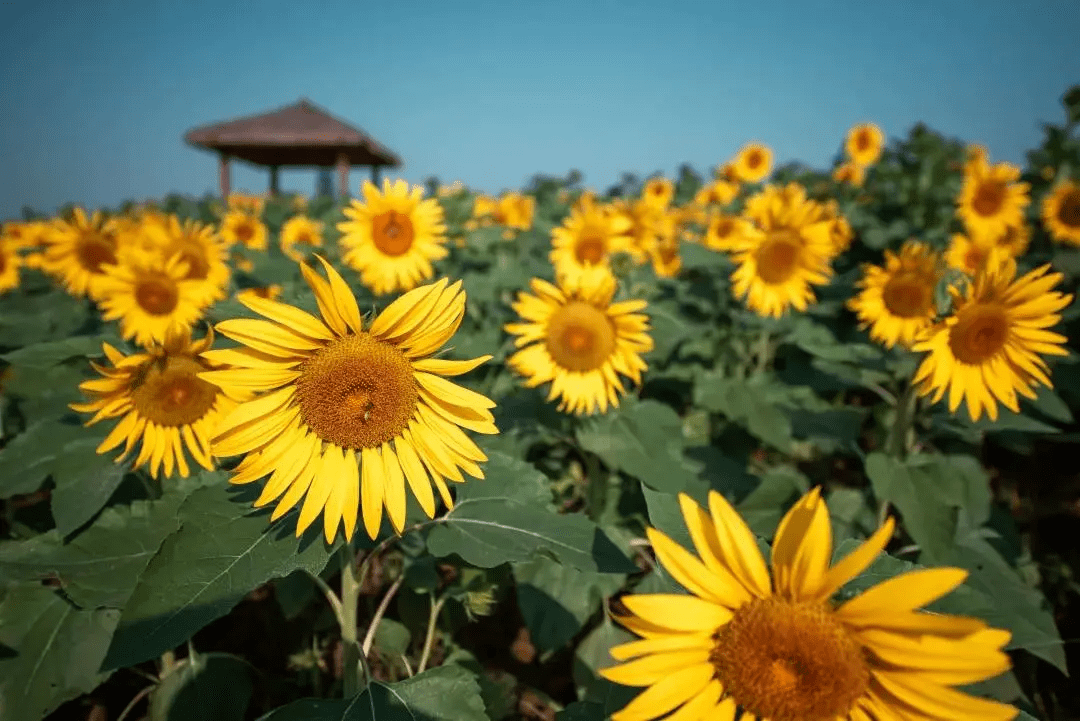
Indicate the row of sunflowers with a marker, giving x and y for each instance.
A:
(699, 350)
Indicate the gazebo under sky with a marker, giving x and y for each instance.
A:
(301, 135)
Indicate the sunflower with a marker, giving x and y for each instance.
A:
(393, 237)
(484, 206)
(782, 648)
(647, 223)
(718, 192)
(300, 230)
(991, 347)
(991, 199)
(515, 210)
(151, 298)
(864, 144)
(897, 300)
(9, 267)
(346, 416)
(1061, 213)
(753, 163)
(241, 227)
(576, 338)
(201, 251)
(247, 203)
(658, 192)
(784, 255)
(970, 254)
(589, 236)
(725, 231)
(21, 236)
(269, 291)
(851, 173)
(77, 250)
(163, 403)
(666, 261)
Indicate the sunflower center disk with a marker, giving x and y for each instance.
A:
(1070, 210)
(590, 249)
(94, 251)
(580, 337)
(790, 661)
(170, 394)
(979, 334)
(357, 392)
(989, 198)
(778, 256)
(157, 295)
(906, 295)
(862, 140)
(392, 232)
(753, 160)
(245, 231)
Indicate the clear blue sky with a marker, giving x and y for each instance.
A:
(95, 95)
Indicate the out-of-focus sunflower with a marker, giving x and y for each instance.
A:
(23, 235)
(162, 401)
(589, 236)
(199, 248)
(575, 338)
(647, 222)
(897, 301)
(77, 250)
(241, 227)
(788, 251)
(658, 192)
(839, 229)
(864, 145)
(300, 230)
(970, 254)
(1061, 213)
(515, 210)
(484, 206)
(753, 163)
(247, 203)
(724, 231)
(718, 192)
(991, 347)
(666, 260)
(393, 237)
(347, 415)
(778, 647)
(851, 173)
(151, 298)
(9, 267)
(269, 291)
(991, 198)
(1014, 240)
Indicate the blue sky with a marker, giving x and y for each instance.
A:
(96, 95)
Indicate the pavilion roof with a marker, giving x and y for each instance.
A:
(299, 134)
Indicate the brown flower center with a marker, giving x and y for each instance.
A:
(989, 198)
(392, 232)
(580, 336)
(357, 392)
(157, 294)
(789, 661)
(168, 392)
(778, 256)
(590, 249)
(862, 140)
(245, 231)
(754, 159)
(908, 295)
(95, 250)
(980, 332)
(975, 257)
(1069, 212)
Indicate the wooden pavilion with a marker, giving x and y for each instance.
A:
(298, 135)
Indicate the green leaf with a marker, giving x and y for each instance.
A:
(66, 451)
(446, 692)
(50, 353)
(220, 553)
(642, 439)
(209, 687)
(766, 504)
(100, 566)
(59, 650)
(76, 499)
(582, 711)
(751, 403)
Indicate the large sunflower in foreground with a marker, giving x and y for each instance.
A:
(991, 347)
(162, 401)
(752, 163)
(347, 415)
(897, 300)
(1061, 213)
(788, 251)
(151, 298)
(589, 236)
(780, 648)
(574, 337)
(77, 251)
(991, 198)
(864, 144)
(393, 237)
(300, 230)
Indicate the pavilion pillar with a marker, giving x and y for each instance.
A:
(273, 180)
(343, 174)
(223, 174)
(375, 175)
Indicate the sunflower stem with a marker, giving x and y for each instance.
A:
(898, 442)
(429, 639)
(764, 352)
(350, 594)
(595, 486)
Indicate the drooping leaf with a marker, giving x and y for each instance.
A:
(208, 687)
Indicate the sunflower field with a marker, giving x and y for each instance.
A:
(777, 444)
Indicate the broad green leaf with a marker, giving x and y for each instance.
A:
(752, 404)
(62, 450)
(928, 516)
(58, 647)
(208, 687)
(593, 654)
(220, 553)
(446, 692)
(100, 566)
(582, 711)
(76, 499)
(49, 353)
(766, 504)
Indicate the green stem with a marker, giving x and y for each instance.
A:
(896, 444)
(350, 595)
(595, 485)
(429, 639)
(764, 352)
